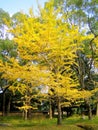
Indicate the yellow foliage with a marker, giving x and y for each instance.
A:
(53, 44)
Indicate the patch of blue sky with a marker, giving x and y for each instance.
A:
(13, 6)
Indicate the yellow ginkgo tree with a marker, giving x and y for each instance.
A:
(47, 48)
(23, 79)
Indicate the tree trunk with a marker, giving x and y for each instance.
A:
(62, 114)
(3, 100)
(53, 110)
(25, 114)
(89, 112)
(59, 120)
(81, 70)
(89, 108)
(50, 109)
(29, 113)
(97, 109)
(3, 106)
(8, 107)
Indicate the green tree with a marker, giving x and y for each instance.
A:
(4, 16)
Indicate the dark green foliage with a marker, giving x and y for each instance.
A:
(7, 49)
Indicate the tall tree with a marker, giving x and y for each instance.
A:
(48, 46)
(4, 16)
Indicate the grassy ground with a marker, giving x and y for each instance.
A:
(42, 123)
(42, 128)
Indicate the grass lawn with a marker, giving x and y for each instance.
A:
(42, 128)
(42, 123)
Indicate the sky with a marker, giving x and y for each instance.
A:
(13, 6)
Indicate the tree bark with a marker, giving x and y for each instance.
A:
(59, 120)
(62, 114)
(53, 110)
(25, 114)
(3, 101)
(89, 108)
(89, 112)
(97, 109)
(3, 106)
(8, 107)
(29, 113)
(50, 109)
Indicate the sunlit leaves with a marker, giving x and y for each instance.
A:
(47, 49)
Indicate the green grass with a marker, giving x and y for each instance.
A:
(42, 128)
(42, 123)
